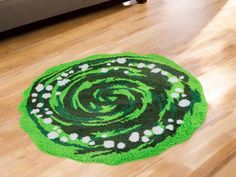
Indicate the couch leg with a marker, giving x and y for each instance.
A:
(141, 1)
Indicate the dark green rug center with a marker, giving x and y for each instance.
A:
(112, 108)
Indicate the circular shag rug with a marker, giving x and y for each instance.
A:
(112, 108)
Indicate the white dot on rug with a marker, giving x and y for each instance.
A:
(151, 66)
(49, 112)
(34, 111)
(92, 143)
(155, 70)
(174, 95)
(49, 87)
(147, 132)
(33, 100)
(84, 67)
(104, 70)
(39, 105)
(145, 139)
(63, 82)
(121, 145)
(34, 94)
(179, 90)
(39, 115)
(126, 72)
(108, 144)
(86, 139)
(134, 137)
(116, 68)
(164, 73)
(64, 74)
(64, 139)
(59, 78)
(184, 103)
(47, 120)
(73, 136)
(173, 79)
(121, 60)
(141, 65)
(71, 71)
(46, 95)
(170, 120)
(179, 121)
(52, 135)
(157, 130)
(39, 87)
(170, 127)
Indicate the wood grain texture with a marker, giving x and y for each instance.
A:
(199, 35)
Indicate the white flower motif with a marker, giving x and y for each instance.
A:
(179, 90)
(33, 100)
(155, 70)
(104, 70)
(64, 139)
(46, 95)
(174, 95)
(170, 120)
(49, 112)
(134, 137)
(179, 121)
(34, 94)
(170, 127)
(34, 111)
(52, 135)
(92, 143)
(47, 120)
(164, 73)
(121, 60)
(108, 144)
(71, 71)
(84, 67)
(147, 132)
(39, 105)
(126, 72)
(145, 139)
(49, 87)
(157, 130)
(151, 66)
(184, 103)
(86, 139)
(39, 87)
(73, 136)
(64, 74)
(141, 65)
(173, 79)
(121, 145)
(63, 82)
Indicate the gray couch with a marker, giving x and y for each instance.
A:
(14, 13)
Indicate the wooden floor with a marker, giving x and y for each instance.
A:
(200, 35)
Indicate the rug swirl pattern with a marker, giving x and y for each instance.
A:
(112, 108)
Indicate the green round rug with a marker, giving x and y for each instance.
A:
(112, 108)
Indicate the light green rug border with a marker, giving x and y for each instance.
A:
(183, 133)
